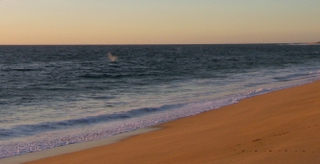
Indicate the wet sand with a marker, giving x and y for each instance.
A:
(277, 127)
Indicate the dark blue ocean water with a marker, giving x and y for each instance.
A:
(56, 95)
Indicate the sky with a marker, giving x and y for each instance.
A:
(158, 21)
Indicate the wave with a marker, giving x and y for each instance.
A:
(31, 129)
(20, 70)
(76, 131)
(314, 72)
(99, 76)
(297, 76)
(103, 75)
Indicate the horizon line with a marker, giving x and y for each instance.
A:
(150, 44)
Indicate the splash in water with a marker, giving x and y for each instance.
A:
(112, 58)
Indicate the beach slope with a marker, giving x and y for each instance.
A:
(277, 127)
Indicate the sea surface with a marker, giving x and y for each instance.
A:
(52, 96)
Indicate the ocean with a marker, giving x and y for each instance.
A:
(52, 96)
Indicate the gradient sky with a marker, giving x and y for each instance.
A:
(158, 22)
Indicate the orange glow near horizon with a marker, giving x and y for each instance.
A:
(166, 22)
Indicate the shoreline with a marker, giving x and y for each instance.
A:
(74, 147)
(275, 130)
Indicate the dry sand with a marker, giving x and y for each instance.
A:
(278, 127)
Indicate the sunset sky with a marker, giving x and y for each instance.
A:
(158, 22)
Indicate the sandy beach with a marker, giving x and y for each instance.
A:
(277, 127)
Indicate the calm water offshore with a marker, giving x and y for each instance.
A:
(57, 95)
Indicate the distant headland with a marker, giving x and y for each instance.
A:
(306, 43)
(314, 42)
